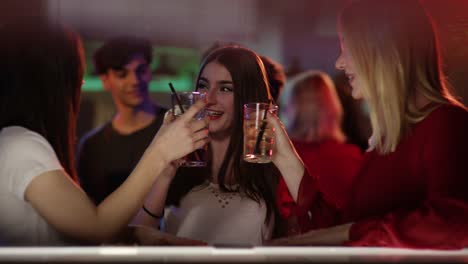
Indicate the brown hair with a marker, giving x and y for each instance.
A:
(258, 181)
(42, 69)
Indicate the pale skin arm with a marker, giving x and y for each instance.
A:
(67, 208)
(155, 200)
(143, 223)
(286, 158)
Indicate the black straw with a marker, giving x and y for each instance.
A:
(174, 93)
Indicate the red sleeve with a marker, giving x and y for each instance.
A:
(441, 223)
(311, 210)
(286, 204)
(441, 220)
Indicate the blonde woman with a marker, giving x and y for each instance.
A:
(411, 189)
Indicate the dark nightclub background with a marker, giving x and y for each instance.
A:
(300, 34)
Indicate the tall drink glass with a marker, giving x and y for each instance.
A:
(179, 106)
(259, 136)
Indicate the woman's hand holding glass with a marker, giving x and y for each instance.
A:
(178, 137)
(283, 147)
(285, 156)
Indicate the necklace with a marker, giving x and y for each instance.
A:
(223, 198)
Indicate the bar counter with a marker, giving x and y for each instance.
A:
(138, 254)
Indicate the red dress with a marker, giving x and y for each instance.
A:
(415, 197)
(336, 163)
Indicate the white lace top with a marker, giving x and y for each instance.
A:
(216, 217)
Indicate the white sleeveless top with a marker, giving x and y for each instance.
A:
(216, 217)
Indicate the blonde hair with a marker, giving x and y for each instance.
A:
(394, 48)
(327, 114)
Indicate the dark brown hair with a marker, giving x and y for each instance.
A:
(118, 52)
(42, 69)
(257, 181)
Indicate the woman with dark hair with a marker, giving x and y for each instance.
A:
(42, 72)
(411, 189)
(231, 201)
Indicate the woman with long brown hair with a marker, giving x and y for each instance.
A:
(231, 201)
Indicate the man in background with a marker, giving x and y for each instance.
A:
(108, 154)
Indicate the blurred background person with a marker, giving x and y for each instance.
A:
(108, 154)
(313, 109)
(315, 115)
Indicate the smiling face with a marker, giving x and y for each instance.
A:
(217, 82)
(346, 64)
(129, 85)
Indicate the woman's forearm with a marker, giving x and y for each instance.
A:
(155, 202)
(129, 197)
(292, 170)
